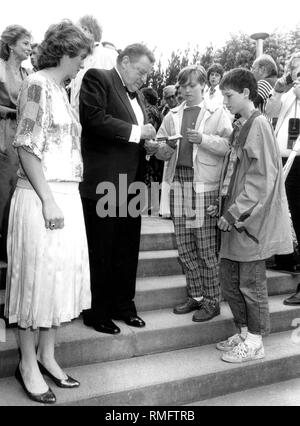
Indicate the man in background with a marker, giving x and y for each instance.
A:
(102, 57)
(264, 70)
(169, 99)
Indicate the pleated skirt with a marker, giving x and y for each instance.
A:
(48, 277)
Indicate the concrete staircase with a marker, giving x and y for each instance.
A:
(172, 361)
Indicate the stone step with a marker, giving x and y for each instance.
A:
(170, 378)
(158, 263)
(158, 242)
(165, 331)
(168, 291)
(160, 292)
(151, 263)
(157, 234)
(282, 394)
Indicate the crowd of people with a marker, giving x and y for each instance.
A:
(216, 143)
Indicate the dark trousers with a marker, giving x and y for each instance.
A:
(292, 186)
(113, 252)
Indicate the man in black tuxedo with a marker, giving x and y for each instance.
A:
(113, 134)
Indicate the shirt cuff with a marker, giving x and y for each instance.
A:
(135, 135)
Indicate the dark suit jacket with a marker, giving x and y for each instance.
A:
(107, 116)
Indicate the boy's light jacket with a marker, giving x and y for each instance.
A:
(215, 126)
(258, 200)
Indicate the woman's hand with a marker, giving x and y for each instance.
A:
(212, 210)
(224, 225)
(53, 216)
(194, 136)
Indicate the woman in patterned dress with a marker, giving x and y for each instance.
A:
(48, 271)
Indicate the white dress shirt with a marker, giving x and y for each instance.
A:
(136, 131)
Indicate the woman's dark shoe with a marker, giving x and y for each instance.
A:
(294, 299)
(68, 383)
(43, 398)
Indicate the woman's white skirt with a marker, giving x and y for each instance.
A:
(48, 277)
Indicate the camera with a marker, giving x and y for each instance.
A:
(293, 132)
(289, 79)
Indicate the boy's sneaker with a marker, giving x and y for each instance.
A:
(230, 343)
(243, 353)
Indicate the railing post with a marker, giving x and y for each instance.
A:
(259, 38)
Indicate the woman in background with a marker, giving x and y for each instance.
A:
(14, 49)
(212, 95)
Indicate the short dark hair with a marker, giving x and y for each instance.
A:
(62, 39)
(91, 23)
(134, 52)
(215, 68)
(186, 73)
(239, 79)
(150, 95)
(9, 37)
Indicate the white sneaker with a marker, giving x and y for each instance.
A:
(243, 353)
(230, 343)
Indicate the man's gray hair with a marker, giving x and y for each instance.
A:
(135, 51)
(268, 62)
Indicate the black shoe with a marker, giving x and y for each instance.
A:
(294, 299)
(294, 270)
(68, 383)
(43, 398)
(134, 321)
(206, 313)
(188, 306)
(102, 326)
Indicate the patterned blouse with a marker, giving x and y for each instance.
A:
(48, 128)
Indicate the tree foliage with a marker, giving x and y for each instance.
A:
(238, 51)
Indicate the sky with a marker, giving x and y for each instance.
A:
(164, 25)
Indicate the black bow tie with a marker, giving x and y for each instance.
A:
(132, 95)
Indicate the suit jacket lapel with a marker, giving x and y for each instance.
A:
(120, 89)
